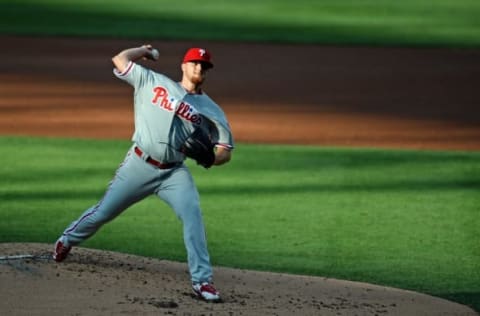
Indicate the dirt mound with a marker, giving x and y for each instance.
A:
(94, 282)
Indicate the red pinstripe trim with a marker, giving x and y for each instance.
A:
(81, 219)
(127, 70)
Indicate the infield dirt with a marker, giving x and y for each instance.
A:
(369, 97)
(364, 97)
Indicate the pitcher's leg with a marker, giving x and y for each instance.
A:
(129, 185)
(180, 193)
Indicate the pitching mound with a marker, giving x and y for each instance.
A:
(93, 282)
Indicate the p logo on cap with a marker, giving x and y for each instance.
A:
(198, 54)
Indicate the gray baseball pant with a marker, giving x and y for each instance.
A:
(134, 180)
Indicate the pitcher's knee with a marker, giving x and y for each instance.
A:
(187, 208)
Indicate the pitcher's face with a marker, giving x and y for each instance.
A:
(195, 71)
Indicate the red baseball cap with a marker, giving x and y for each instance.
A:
(198, 54)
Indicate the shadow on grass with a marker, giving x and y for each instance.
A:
(21, 196)
(261, 190)
(71, 20)
(343, 188)
(318, 159)
(470, 299)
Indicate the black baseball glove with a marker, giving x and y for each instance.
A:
(200, 148)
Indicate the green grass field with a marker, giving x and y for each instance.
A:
(408, 219)
(346, 22)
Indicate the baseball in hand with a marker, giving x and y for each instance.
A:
(155, 54)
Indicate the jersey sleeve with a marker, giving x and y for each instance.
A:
(134, 74)
(222, 136)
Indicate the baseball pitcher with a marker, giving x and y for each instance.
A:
(173, 121)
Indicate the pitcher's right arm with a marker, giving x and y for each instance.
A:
(121, 60)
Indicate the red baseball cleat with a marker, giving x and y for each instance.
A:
(206, 291)
(61, 252)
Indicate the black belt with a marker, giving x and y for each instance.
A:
(153, 162)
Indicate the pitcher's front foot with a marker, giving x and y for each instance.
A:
(206, 291)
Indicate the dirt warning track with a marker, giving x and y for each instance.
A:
(367, 97)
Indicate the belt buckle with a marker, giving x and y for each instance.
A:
(145, 157)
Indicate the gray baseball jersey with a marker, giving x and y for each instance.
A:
(160, 103)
